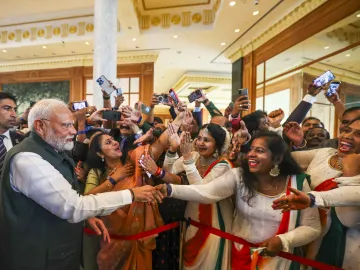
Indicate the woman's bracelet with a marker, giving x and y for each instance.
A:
(162, 174)
(112, 181)
(171, 154)
(188, 162)
(158, 172)
(302, 145)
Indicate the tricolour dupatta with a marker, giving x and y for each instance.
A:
(193, 246)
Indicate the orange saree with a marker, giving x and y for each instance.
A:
(130, 220)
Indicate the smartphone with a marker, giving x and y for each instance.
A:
(243, 92)
(142, 164)
(195, 95)
(105, 85)
(324, 79)
(231, 105)
(32, 103)
(144, 109)
(119, 92)
(112, 115)
(334, 86)
(163, 98)
(174, 97)
(79, 105)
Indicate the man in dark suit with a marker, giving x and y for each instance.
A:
(7, 121)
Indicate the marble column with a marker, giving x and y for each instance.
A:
(105, 44)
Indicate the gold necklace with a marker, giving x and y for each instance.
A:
(274, 185)
(337, 165)
(110, 171)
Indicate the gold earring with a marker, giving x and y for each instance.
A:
(275, 171)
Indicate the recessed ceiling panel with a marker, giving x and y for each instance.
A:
(162, 4)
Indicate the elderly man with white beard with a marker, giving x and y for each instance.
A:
(41, 210)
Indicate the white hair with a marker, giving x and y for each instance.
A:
(43, 109)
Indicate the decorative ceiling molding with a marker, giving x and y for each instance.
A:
(187, 79)
(199, 14)
(294, 16)
(344, 36)
(74, 61)
(58, 29)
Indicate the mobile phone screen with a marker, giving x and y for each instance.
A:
(324, 79)
(105, 84)
(243, 92)
(112, 115)
(119, 92)
(79, 105)
(334, 86)
(174, 97)
(195, 95)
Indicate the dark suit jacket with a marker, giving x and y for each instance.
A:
(299, 113)
(16, 137)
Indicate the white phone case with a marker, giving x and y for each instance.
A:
(105, 84)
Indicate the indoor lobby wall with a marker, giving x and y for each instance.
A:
(72, 82)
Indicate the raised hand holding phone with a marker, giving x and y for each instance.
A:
(106, 85)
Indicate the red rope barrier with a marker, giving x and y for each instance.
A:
(139, 235)
(222, 234)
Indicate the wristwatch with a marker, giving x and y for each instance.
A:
(312, 199)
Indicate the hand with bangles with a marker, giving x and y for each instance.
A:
(296, 201)
(149, 165)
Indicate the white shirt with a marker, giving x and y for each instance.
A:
(7, 141)
(37, 179)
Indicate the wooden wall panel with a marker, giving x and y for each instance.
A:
(78, 76)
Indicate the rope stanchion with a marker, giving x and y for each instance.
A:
(220, 233)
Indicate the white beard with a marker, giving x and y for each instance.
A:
(59, 144)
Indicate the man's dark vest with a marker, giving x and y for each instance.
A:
(32, 238)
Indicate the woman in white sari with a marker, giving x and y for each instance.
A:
(201, 250)
(335, 179)
(267, 173)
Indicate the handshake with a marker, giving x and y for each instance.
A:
(149, 194)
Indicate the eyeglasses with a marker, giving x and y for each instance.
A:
(67, 125)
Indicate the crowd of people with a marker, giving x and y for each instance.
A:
(74, 184)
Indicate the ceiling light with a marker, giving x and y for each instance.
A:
(255, 12)
(237, 30)
(4, 50)
(232, 3)
(326, 47)
(134, 39)
(87, 43)
(223, 44)
(175, 36)
(44, 47)
(347, 55)
(358, 15)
